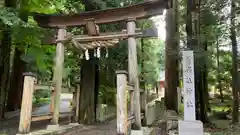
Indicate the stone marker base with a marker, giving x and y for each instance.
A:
(148, 131)
(52, 127)
(173, 132)
(190, 127)
(73, 124)
(136, 132)
(171, 125)
(25, 134)
(143, 131)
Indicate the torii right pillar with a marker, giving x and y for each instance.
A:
(133, 71)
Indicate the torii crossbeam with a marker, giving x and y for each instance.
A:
(142, 10)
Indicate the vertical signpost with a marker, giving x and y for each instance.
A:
(189, 126)
(188, 86)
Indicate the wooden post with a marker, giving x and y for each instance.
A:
(131, 94)
(77, 100)
(73, 117)
(26, 109)
(143, 96)
(52, 98)
(179, 93)
(133, 70)
(58, 73)
(143, 101)
(122, 117)
(75, 103)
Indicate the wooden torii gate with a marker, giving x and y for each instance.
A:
(95, 39)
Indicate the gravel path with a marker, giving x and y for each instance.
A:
(10, 127)
(106, 129)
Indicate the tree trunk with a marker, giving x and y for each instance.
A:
(189, 24)
(193, 43)
(202, 91)
(5, 49)
(205, 82)
(16, 84)
(171, 57)
(235, 115)
(97, 85)
(218, 74)
(202, 99)
(87, 95)
(89, 83)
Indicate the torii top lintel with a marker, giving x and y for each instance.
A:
(142, 10)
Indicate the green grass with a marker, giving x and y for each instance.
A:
(218, 107)
(41, 101)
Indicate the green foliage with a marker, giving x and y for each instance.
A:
(151, 55)
(41, 97)
(225, 68)
(152, 60)
(107, 94)
(9, 17)
(214, 25)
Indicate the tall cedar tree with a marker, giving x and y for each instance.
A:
(5, 49)
(89, 82)
(193, 43)
(235, 114)
(171, 56)
(16, 79)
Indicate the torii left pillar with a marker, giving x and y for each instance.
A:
(58, 75)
